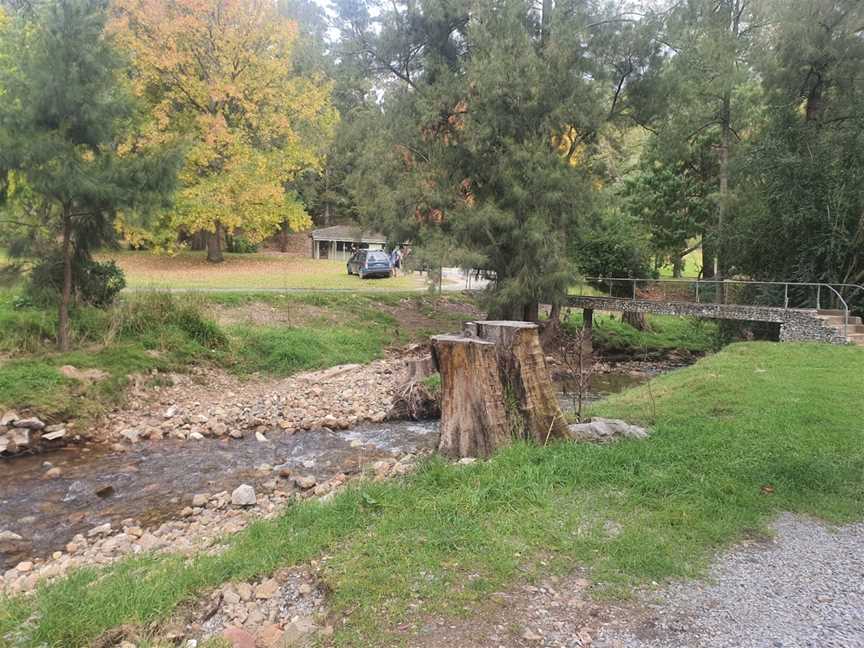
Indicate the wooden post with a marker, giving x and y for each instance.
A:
(495, 388)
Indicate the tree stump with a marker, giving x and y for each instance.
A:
(495, 388)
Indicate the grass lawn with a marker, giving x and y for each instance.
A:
(277, 334)
(691, 269)
(440, 541)
(247, 271)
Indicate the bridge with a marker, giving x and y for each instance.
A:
(804, 311)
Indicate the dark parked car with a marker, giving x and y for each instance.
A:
(370, 263)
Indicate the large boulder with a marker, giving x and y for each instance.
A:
(244, 495)
(601, 430)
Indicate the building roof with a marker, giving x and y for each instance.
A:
(350, 233)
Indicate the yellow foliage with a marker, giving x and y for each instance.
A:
(218, 77)
(568, 146)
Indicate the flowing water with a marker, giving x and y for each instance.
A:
(152, 481)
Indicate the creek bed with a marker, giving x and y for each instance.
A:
(153, 480)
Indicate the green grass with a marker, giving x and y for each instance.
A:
(248, 271)
(120, 342)
(666, 333)
(443, 539)
(283, 351)
(163, 331)
(691, 269)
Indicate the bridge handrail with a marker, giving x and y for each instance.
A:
(698, 282)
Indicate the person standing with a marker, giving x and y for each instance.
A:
(396, 260)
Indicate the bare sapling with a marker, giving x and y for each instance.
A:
(580, 365)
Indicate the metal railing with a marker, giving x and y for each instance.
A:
(728, 292)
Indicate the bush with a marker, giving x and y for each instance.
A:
(95, 283)
(99, 283)
(241, 245)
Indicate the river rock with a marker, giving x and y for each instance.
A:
(24, 567)
(267, 589)
(297, 630)
(148, 542)
(243, 495)
(238, 637)
(101, 530)
(19, 437)
(600, 430)
(9, 417)
(200, 500)
(12, 543)
(5, 443)
(54, 435)
(217, 428)
(244, 591)
(305, 482)
(53, 473)
(131, 436)
(31, 423)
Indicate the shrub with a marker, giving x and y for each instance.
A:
(95, 283)
(241, 245)
(99, 283)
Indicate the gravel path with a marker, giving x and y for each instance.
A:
(802, 589)
(805, 588)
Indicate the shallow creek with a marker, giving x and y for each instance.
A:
(153, 480)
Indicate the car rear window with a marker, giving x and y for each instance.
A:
(378, 256)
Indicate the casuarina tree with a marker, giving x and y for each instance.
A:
(67, 127)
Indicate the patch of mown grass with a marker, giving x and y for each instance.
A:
(190, 269)
(441, 540)
(666, 333)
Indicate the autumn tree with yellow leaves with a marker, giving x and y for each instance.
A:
(218, 77)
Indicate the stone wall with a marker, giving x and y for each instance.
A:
(795, 325)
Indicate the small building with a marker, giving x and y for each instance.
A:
(340, 241)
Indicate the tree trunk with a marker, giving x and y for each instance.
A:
(587, 331)
(495, 388)
(531, 312)
(545, 22)
(635, 319)
(708, 248)
(552, 328)
(214, 244)
(283, 237)
(66, 294)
